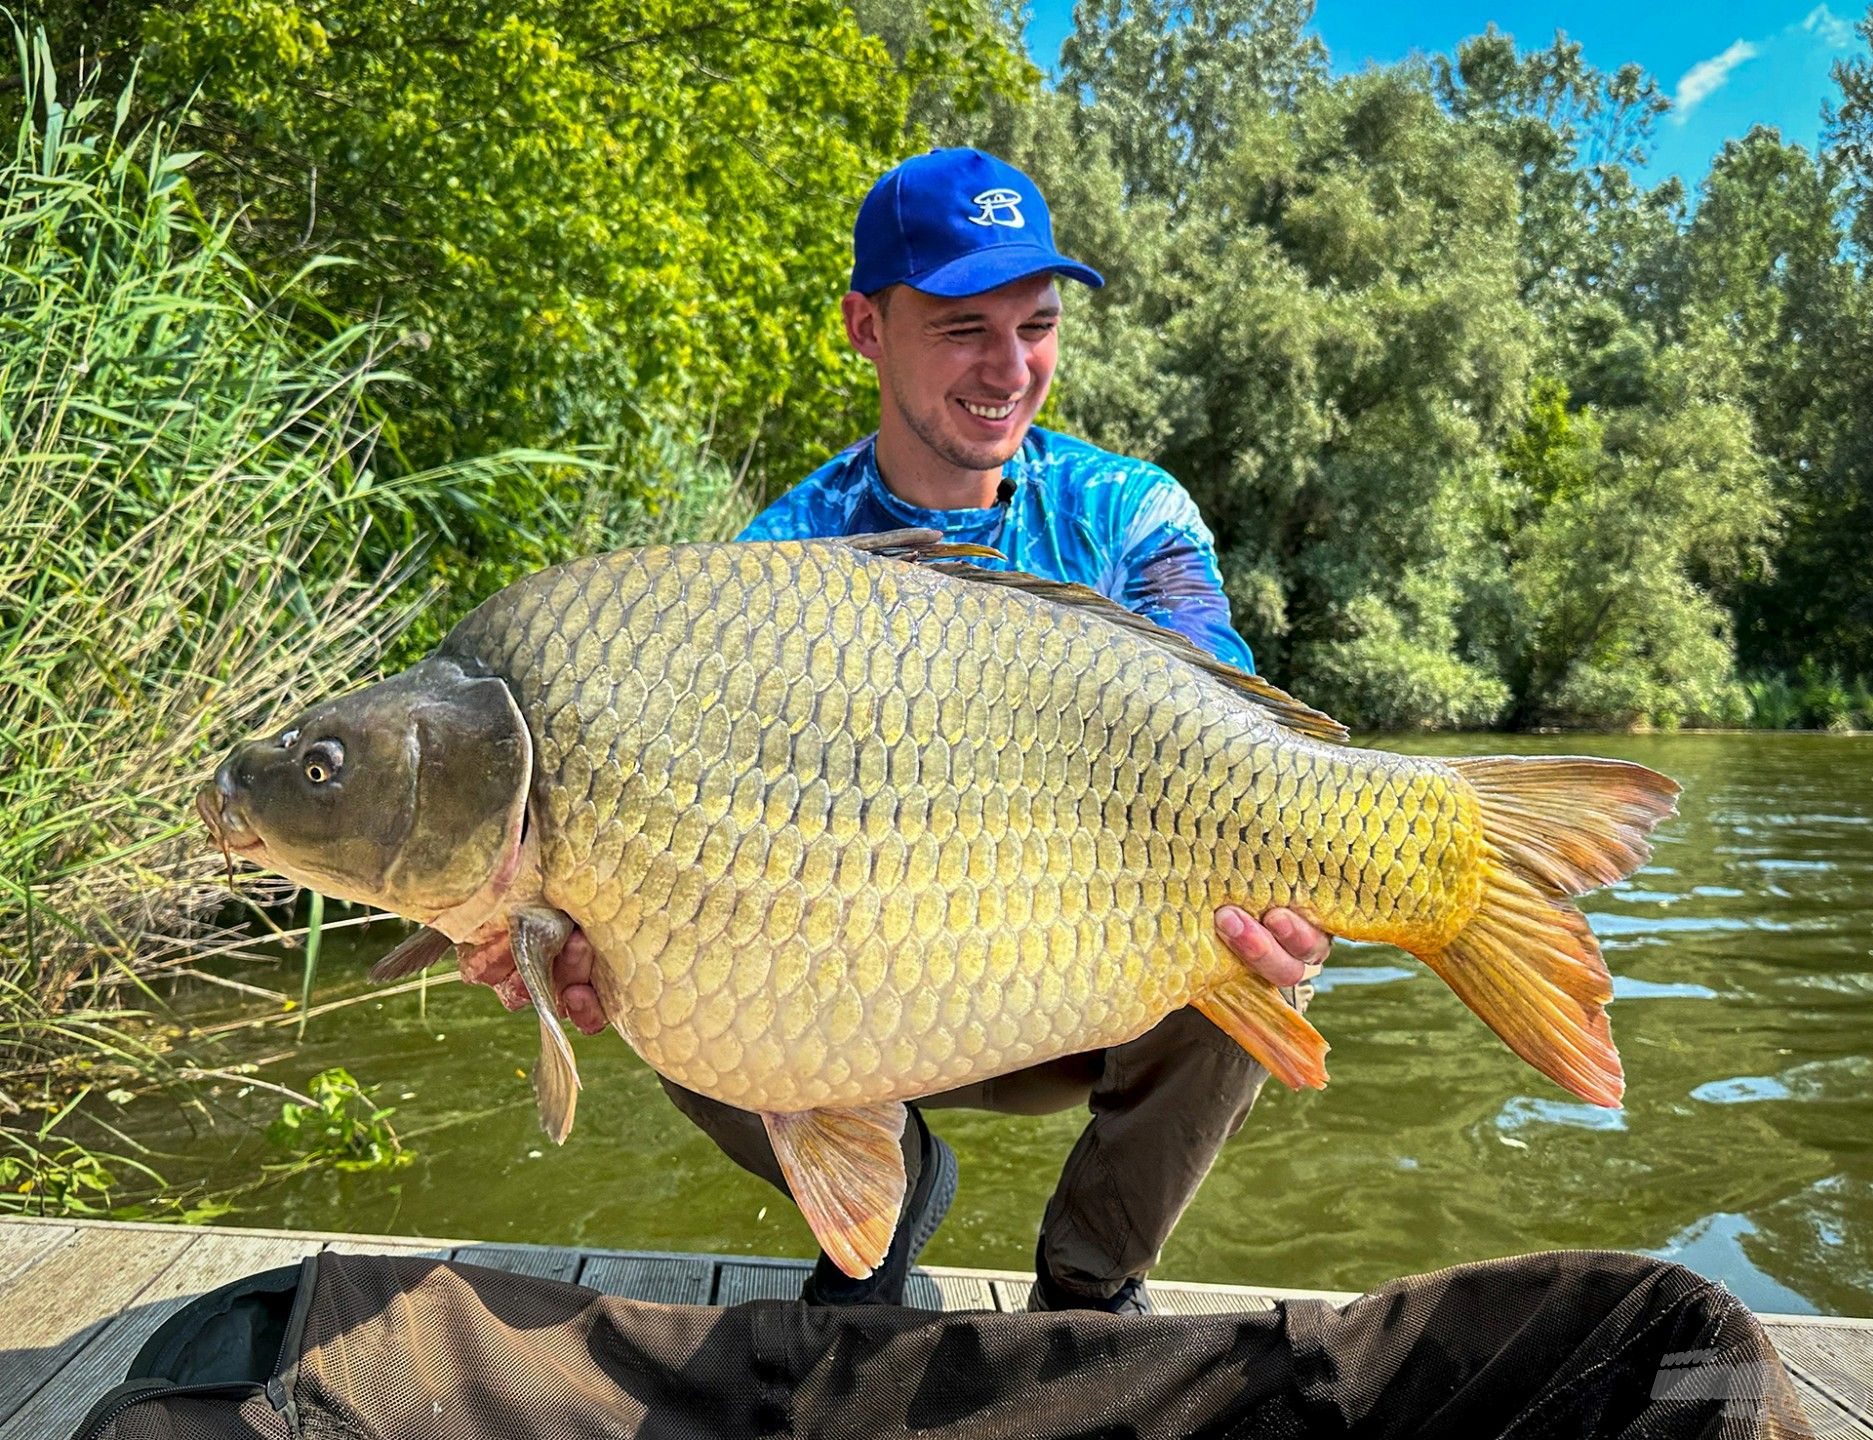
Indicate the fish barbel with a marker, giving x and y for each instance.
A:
(850, 823)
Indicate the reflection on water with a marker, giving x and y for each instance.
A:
(1714, 1246)
(1744, 985)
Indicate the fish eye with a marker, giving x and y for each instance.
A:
(324, 760)
(289, 739)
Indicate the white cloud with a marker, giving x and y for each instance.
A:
(1835, 33)
(1706, 77)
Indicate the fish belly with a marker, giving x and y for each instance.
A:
(844, 830)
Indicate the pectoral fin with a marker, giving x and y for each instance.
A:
(537, 935)
(846, 1171)
(419, 951)
(1250, 1011)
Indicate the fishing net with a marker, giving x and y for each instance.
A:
(1563, 1344)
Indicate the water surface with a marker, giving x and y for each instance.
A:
(1744, 984)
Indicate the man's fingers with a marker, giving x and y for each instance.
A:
(1252, 944)
(573, 964)
(572, 978)
(580, 1004)
(1301, 938)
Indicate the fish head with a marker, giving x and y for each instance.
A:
(410, 794)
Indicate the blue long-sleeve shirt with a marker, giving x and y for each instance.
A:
(1123, 527)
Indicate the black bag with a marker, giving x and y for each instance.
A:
(391, 1348)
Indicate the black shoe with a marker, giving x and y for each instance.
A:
(1131, 1298)
(929, 1202)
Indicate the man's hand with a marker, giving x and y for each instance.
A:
(1281, 947)
(572, 977)
(492, 965)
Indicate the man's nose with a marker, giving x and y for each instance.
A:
(1006, 366)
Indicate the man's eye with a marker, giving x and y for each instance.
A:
(1039, 327)
(324, 760)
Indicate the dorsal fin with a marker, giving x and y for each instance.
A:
(927, 547)
(919, 545)
(1293, 714)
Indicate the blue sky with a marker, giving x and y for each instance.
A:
(1729, 65)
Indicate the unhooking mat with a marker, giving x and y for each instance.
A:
(389, 1348)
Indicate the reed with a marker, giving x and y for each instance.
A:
(204, 524)
(186, 488)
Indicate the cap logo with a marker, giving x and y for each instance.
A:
(998, 207)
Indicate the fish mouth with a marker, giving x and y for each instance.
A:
(231, 835)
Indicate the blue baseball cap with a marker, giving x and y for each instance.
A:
(956, 222)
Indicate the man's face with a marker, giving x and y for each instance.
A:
(967, 375)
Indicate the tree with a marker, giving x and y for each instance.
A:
(1612, 526)
(1766, 278)
(583, 213)
(1574, 134)
(1166, 81)
(1324, 343)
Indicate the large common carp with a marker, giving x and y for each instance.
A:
(849, 823)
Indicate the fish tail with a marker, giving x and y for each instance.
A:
(1525, 961)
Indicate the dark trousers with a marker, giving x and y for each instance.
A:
(1162, 1106)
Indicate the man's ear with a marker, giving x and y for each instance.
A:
(863, 324)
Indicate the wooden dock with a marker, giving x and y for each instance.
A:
(78, 1298)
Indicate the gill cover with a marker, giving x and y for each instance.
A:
(474, 765)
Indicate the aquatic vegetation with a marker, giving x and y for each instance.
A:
(342, 1126)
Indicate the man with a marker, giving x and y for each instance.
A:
(953, 300)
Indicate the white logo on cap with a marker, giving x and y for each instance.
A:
(993, 204)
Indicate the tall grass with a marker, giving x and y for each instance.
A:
(186, 487)
(1814, 698)
(195, 536)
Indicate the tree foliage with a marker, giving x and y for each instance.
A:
(1489, 430)
(1419, 344)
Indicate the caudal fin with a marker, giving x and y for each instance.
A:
(1526, 962)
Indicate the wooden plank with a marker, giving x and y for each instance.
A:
(663, 1279)
(1829, 1421)
(74, 1292)
(1837, 1360)
(739, 1281)
(24, 1246)
(959, 1290)
(545, 1262)
(1169, 1299)
(1011, 1296)
(212, 1260)
(385, 1245)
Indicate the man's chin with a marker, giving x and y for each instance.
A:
(976, 456)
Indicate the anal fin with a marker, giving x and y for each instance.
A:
(537, 935)
(845, 1168)
(1250, 1011)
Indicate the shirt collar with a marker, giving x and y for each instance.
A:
(1018, 468)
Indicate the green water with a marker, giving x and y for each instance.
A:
(1745, 994)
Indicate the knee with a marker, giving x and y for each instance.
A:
(701, 1109)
